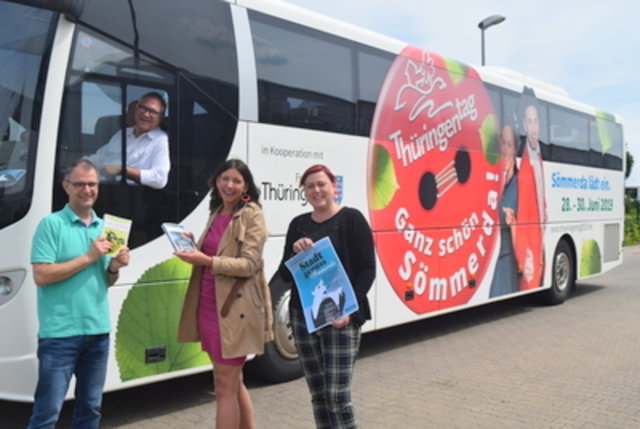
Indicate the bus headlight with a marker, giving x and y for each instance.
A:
(6, 285)
(10, 283)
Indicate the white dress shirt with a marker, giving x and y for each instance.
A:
(149, 153)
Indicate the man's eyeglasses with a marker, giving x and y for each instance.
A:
(149, 110)
(82, 185)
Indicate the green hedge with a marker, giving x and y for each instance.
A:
(631, 221)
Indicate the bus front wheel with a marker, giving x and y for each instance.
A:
(280, 359)
(563, 274)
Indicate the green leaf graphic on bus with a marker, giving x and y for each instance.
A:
(489, 136)
(384, 183)
(590, 261)
(605, 123)
(149, 318)
(457, 70)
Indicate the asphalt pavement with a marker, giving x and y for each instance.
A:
(512, 364)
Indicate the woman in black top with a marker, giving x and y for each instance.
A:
(328, 355)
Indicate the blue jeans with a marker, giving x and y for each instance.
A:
(84, 356)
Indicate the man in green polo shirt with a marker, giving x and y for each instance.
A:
(73, 273)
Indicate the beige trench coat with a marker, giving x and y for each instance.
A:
(248, 325)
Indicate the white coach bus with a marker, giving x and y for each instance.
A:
(417, 139)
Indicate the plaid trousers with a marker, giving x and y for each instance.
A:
(328, 357)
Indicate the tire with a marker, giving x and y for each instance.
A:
(563, 275)
(280, 359)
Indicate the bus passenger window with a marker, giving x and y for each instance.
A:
(305, 77)
(606, 142)
(569, 136)
(372, 69)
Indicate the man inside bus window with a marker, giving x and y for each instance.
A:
(148, 160)
(72, 272)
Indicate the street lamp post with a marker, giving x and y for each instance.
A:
(486, 23)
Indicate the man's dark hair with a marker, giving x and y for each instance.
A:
(157, 96)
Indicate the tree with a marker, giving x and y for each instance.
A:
(627, 173)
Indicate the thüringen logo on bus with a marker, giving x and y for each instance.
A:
(339, 189)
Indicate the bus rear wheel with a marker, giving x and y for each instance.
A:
(563, 274)
(280, 359)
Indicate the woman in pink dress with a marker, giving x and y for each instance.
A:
(230, 249)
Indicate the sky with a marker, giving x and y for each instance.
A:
(589, 48)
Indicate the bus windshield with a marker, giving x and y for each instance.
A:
(25, 38)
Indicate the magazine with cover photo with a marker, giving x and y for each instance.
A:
(116, 230)
(325, 291)
(181, 240)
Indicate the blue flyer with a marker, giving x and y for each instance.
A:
(325, 291)
(10, 177)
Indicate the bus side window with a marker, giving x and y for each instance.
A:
(372, 68)
(326, 102)
(569, 136)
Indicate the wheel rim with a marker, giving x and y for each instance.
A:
(283, 336)
(562, 271)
